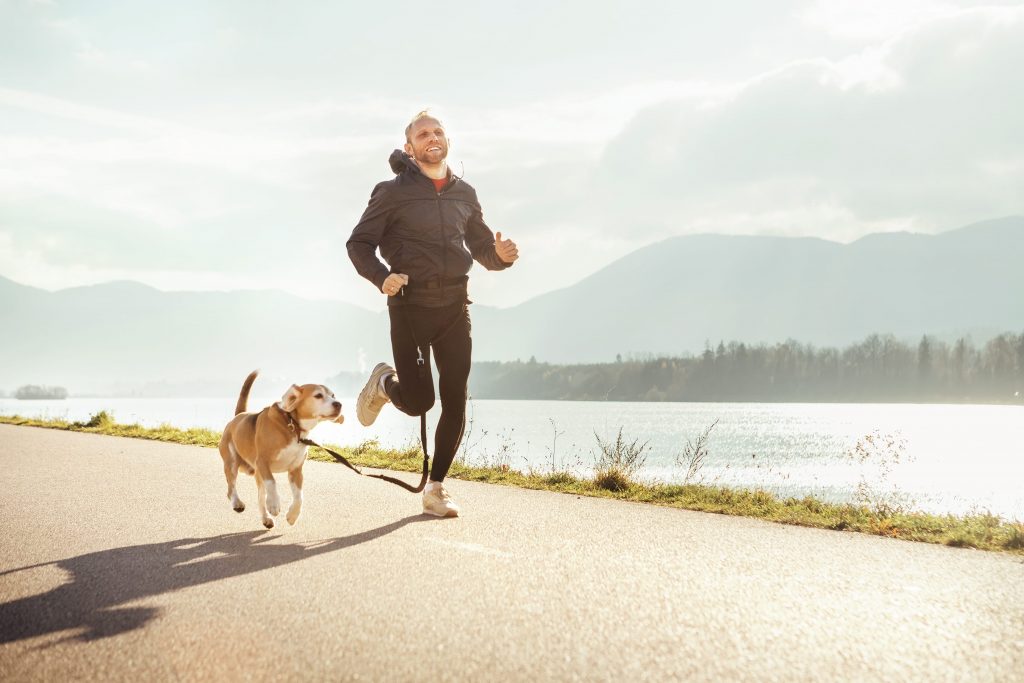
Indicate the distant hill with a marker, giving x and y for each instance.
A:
(672, 296)
(668, 297)
(123, 334)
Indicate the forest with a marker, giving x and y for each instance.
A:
(880, 368)
(30, 392)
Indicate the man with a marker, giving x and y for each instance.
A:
(423, 221)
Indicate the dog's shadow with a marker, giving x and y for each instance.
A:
(101, 581)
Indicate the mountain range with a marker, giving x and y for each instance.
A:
(672, 297)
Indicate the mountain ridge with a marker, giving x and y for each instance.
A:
(670, 297)
(704, 287)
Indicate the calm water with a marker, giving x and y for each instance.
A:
(954, 458)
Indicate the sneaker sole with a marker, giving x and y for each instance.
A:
(362, 409)
(449, 514)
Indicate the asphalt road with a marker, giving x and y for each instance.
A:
(121, 559)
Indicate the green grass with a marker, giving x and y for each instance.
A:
(982, 531)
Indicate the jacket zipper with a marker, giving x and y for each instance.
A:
(444, 249)
(444, 241)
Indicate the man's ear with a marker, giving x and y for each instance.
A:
(408, 148)
(291, 398)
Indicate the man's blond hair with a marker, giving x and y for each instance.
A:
(425, 114)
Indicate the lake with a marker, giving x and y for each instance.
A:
(937, 458)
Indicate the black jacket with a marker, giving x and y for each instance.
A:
(422, 233)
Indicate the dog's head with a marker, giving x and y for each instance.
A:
(312, 402)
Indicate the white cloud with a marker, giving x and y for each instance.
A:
(804, 151)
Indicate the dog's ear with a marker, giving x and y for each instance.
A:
(291, 398)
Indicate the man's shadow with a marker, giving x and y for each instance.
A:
(103, 580)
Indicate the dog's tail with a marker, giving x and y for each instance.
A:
(243, 397)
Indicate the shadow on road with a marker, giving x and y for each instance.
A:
(101, 581)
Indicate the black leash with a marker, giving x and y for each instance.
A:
(294, 426)
(397, 482)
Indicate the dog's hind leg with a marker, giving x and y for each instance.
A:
(295, 478)
(230, 457)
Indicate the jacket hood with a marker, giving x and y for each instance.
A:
(400, 162)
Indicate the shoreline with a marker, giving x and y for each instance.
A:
(982, 531)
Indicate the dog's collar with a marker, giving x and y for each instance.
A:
(293, 424)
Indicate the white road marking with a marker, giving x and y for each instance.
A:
(469, 547)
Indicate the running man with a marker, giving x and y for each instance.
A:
(429, 228)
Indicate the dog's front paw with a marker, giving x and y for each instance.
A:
(268, 522)
(239, 506)
(293, 514)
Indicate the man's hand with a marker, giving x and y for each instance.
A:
(394, 283)
(506, 249)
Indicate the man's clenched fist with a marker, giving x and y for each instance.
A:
(394, 283)
(506, 249)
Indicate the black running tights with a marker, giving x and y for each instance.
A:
(447, 330)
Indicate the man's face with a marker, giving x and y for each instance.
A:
(427, 142)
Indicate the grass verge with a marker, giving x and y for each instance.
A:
(984, 531)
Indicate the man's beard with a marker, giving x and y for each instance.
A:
(425, 157)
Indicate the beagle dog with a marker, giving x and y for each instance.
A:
(268, 441)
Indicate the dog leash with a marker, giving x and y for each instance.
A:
(421, 368)
(397, 482)
(294, 426)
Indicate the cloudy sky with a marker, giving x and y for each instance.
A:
(224, 145)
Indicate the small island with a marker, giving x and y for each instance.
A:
(32, 392)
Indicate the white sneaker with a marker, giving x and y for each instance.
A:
(437, 502)
(373, 397)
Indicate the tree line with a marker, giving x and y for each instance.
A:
(880, 368)
(31, 392)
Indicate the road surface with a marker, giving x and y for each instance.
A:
(121, 559)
